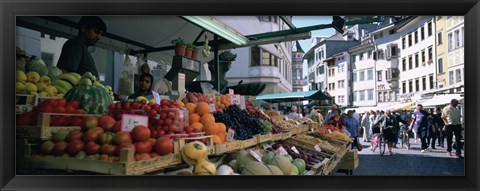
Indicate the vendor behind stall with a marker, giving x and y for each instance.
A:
(75, 56)
(144, 87)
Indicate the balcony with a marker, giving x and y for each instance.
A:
(393, 77)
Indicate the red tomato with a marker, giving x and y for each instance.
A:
(74, 134)
(61, 102)
(156, 106)
(142, 156)
(143, 146)
(92, 148)
(74, 104)
(122, 146)
(127, 106)
(118, 106)
(135, 105)
(60, 148)
(108, 149)
(75, 146)
(69, 109)
(161, 132)
(164, 145)
(147, 108)
(122, 137)
(140, 133)
(111, 107)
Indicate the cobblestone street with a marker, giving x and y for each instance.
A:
(408, 162)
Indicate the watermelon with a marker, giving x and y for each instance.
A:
(92, 99)
(37, 65)
(54, 71)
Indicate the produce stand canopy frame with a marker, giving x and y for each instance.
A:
(294, 96)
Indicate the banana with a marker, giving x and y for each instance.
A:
(109, 88)
(76, 75)
(89, 75)
(62, 83)
(69, 78)
(85, 82)
(97, 83)
(60, 89)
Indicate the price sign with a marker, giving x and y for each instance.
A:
(130, 121)
(156, 96)
(281, 151)
(330, 131)
(230, 91)
(317, 148)
(242, 102)
(230, 134)
(212, 108)
(294, 149)
(255, 155)
(235, 99)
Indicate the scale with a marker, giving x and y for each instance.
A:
(182, 74)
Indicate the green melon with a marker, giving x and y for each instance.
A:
(275, 170)
(283, 164)
(37, 65)
(92, 99)
(54, 71)
(255, 168)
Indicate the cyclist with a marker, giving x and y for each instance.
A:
(389, 125)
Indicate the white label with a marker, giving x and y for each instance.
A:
(212, 108)
(235, 99)
(230, 134)
(281, 151)
(317, 148)
(265, 146)
(156, 96)
(130, 121)
(294, 149)
(242, 102)
(255, 155)
(330, 131)
(230, 91)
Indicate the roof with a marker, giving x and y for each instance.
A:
(299, 48)
(294, 96)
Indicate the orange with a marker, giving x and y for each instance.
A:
(221, 128)
(223, 137)
(210, 128)
(194, 117)
(216, 139)
(202, 108)
(197, 126)
(207, 118)
(191, 107)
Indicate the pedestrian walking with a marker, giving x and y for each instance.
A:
(351, 125)
(372, 120)
(398, 123)
(440, 124)
(389, 124)
(419, 122)
(451, 116)
(366, 126)
(431, 129)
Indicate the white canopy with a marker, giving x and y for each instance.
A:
(401, 106)
(442, 100)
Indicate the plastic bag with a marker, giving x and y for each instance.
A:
(125, 82)
(207, 89)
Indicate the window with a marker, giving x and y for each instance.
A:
(391, 32)
(362, 75)
(457, 38)
(439, 38)
(417, 85)
(463, 36)
(354, 77)
(422, 33)
(379, 76)
(369, 54)
(370, 94)
(431, 81)
(410, 62)
(430, 53)
(353, 58)
(451, 78)
(361, 56)
(423, 56)
(450, 41)
(322, 69)
(385, 96)
(404, 64)
(354, 96)
(416, 37)
(391, 51)
(424, 83)
(403, 43)
(429, 28)
(440, 66)
(416, 60)
(265, 58)
(362, 95)
(404, 87)
(341, 84)
(409, 40)
(380, 97)
(370, 74)
(255, 56)
(459, 75)
(410, 86)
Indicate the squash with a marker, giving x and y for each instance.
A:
(244, 158)
(274, 170)
(283, 163)
(194, 152)
(205, 168)
(256, 168)
(267, 159)
(300, 164)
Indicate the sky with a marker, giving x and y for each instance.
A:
(305, 21)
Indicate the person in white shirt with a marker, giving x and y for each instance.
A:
(451, 115)
(294, 115)
(366, 126)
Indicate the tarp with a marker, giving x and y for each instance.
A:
(401, 106)
(294, 96)
(442, 99)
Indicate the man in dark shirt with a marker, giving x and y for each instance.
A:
(75, 56)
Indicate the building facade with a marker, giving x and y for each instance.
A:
(338, 77)
(297, 70)
(441, 42)
(455, 45)
(363, 80)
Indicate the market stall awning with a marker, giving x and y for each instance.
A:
(294, 96)
(401, 106)
(442, 100)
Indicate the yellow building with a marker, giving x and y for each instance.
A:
(455, 47)
(441, 42)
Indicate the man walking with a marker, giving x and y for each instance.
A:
(366, 126)
(419, 121)
(451, 116)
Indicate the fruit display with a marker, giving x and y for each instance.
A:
(308, 159)
(316, 141)
(255, 112)
(33, 83)
(60, 106)
(244, 124)
(193, 97)
(305, 120)
(222, 102)
(329, 132)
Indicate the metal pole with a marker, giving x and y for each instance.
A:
(217, 62)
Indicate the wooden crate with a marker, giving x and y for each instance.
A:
(350, 160)
(249, 142)
(287, 135)
(295, 130)
(319, 168)
(277, 137)
(264, 138)
(314, 125)
(207, 139)
(43, 130)
(304, 128)
(126, 165)
(228, 147)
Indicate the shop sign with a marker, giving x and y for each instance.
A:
(381, 87)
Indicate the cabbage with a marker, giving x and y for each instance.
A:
(54, 71)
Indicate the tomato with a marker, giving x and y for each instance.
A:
(92, 148)
(122, 146)
(153, 114)
(168, 122)
(156, 106)
(161, 132)
(142, 156)
(73, 104)
(164, 102)
(171, 114)
(47, 147)
(61, 102)
(60, 148)
(147, 108)
(69, 109)
(106, 138)
(117, 127)
(108, 149)
(122, 137)
(50, 102)
(164, 145)
(111, 107)
(74, 134)
(163, 115)
(79, 111)
(75, 146)
(135, 105)
(127, 106)
(46, 109)
(143, 146)
(106, 122)
(140, 133)
(118, 106)
(90, 136)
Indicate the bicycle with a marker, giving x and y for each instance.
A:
(378, 140)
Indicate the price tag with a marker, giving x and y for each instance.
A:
(242, 102)
(330, 131)
(212, 108)
(235, 99)
(281, 151)
(130, 121)
(265, 146)
(294, 149)
(317, 148)
(255, 155)
(156, 96)
(230, 91)
(230, 134)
